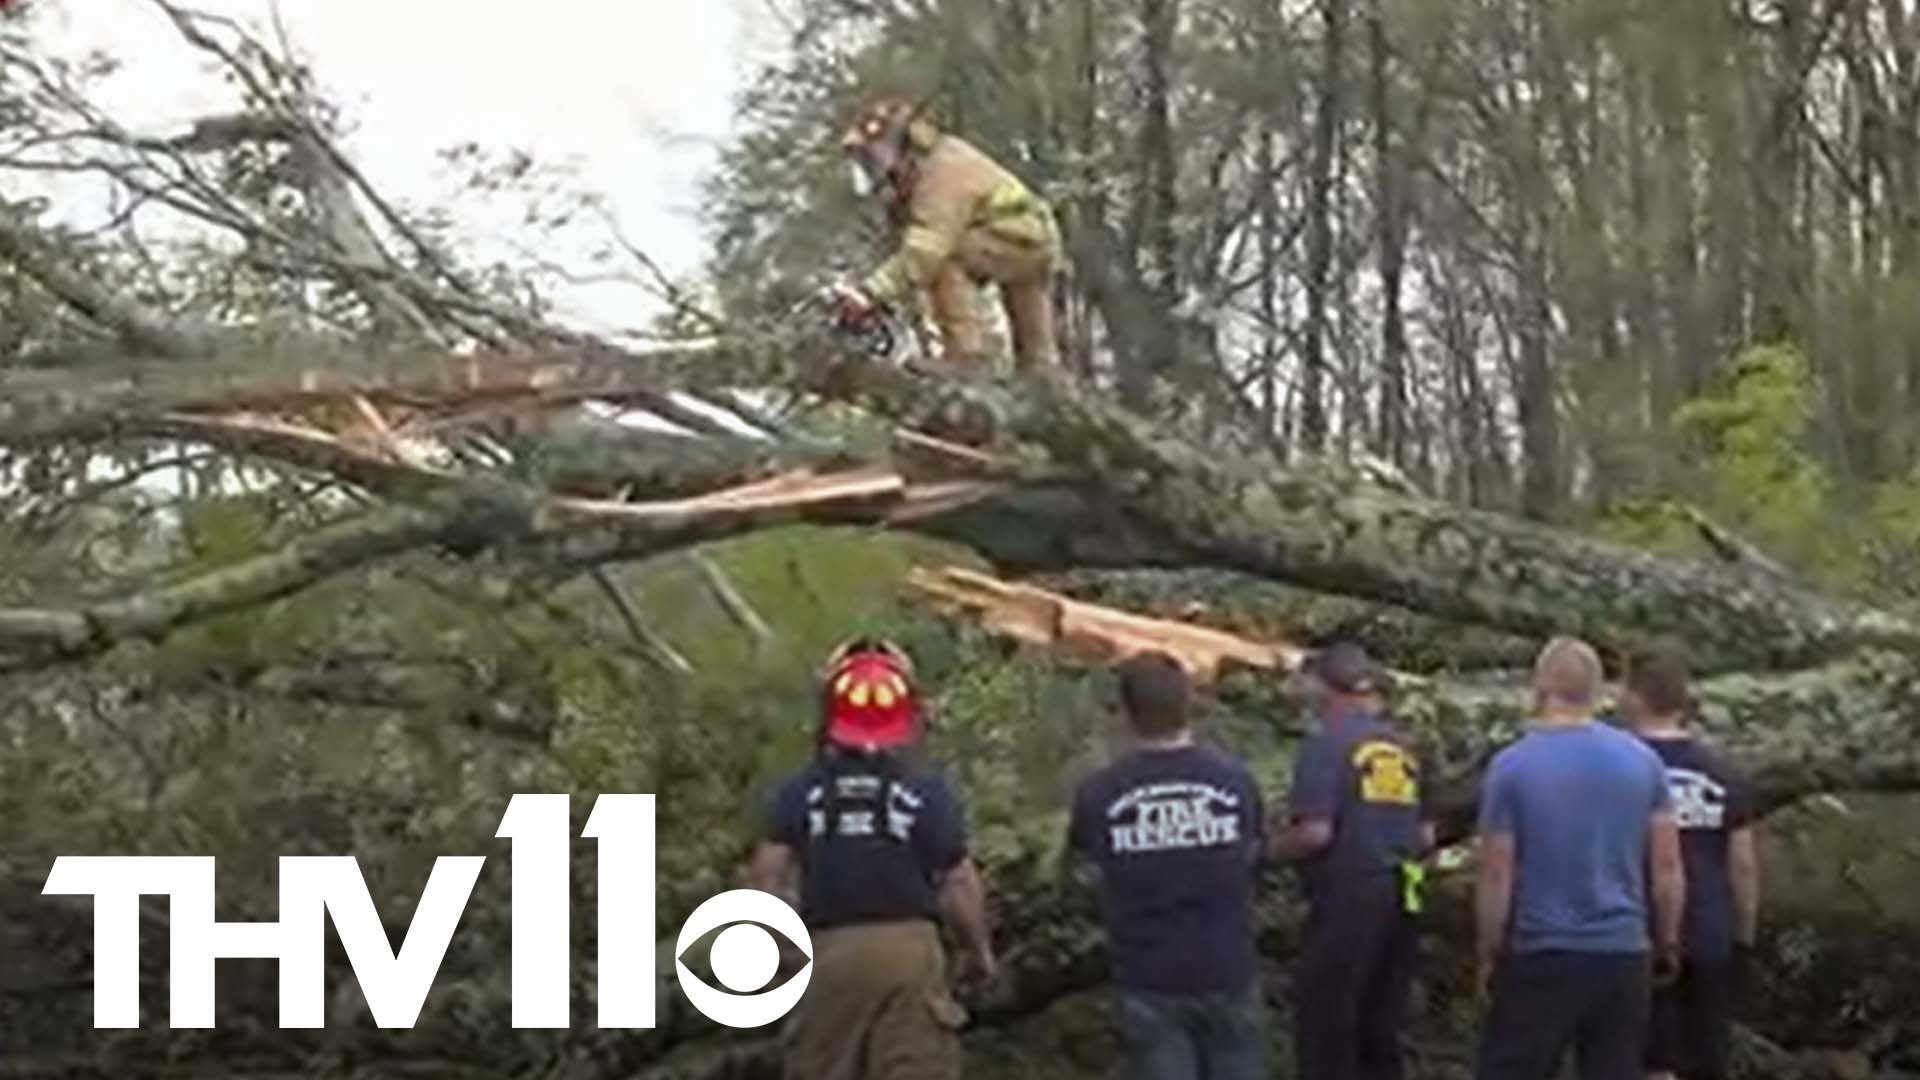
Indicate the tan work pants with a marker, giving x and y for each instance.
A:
(1024, 274)
(878, 1008)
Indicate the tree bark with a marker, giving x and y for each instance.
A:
(1270, 336)
(1391, 238)
(1322, 528)
(1320, 226)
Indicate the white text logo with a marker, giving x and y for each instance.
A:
(314, 889)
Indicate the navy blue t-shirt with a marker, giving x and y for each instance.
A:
(1577, 801)
(1177, 836)
(873, 835)
(1709, 802)
(1357, 774)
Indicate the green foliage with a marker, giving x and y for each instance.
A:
(1893, 542)
(1749, 436)
(1750, 471)
(1656, 524)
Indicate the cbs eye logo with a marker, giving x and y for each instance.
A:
(744, 958)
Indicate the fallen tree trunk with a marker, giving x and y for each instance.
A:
(1848, 726)
(1845, 727)
(1330, 531)
(1120, 494)
(1129, 499)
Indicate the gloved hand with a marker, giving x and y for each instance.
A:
(851, 305)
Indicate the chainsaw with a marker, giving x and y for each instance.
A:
(873, 331)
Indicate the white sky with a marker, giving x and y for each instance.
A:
(633, 94)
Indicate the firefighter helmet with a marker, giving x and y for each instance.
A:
(870, 699)
(892, 125)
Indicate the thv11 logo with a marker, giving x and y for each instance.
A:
(315, 888)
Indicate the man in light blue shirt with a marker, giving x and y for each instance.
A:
(1574, 820)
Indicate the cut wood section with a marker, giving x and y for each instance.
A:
(376, 458)
(938, 457)
(931, 500)
(797, 489)
(1092, 633)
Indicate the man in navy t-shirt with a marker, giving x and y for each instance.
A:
(1357, 830)
(1175, 830)
(1693, 1017)
(1575, 819)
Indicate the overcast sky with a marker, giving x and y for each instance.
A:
(633, 93)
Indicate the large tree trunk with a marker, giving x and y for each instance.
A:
(1390, 212)
(1320, 228)
(1116, 492)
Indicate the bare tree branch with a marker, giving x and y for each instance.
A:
(139, 329)
(732, 602)
(467, 517)
(652, 645)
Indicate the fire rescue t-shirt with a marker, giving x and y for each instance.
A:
(1709, 801)
(1357, 774)
(873, 835)
(1176, 836)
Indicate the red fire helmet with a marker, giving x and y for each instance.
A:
(871, 702)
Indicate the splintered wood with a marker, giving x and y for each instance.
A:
(933, 457)
(794, 490)
(1092, 633)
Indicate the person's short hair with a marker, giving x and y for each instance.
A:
(1658, 674)
(1569, 672)
(1154, 691)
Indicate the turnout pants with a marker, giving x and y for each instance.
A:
(1024, 273)
(1351, 986)
(878, 1008)
(1544, 1003)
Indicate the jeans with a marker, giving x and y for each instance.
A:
(1546, 1003)
(1353, 981)
(1692, 1021)
(1197, 1037)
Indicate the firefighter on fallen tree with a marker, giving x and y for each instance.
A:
(964, 221)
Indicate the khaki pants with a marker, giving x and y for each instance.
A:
(878, 1008)
(1024, 272)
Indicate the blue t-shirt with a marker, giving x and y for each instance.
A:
(1709, 802)
(1177, 836)
(873, 835)
(1358, 775)
(1576, 801)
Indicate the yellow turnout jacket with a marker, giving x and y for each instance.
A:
(958, 189)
